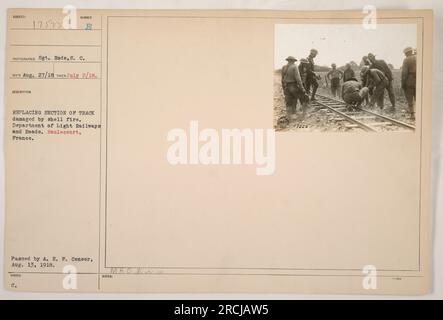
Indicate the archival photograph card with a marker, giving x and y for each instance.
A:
(218, 151)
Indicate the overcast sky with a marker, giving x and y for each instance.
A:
(342, 43)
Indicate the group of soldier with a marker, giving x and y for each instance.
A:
(300, 83)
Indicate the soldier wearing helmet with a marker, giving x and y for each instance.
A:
(311, 79)
(378, 81)
(383, 67)
(293, 88)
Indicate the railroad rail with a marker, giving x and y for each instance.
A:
(360, 117)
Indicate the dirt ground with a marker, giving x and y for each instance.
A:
(321, 120)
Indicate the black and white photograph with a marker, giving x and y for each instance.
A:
(345, 77)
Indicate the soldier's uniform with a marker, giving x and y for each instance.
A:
(292, 87)
(353, 93)
(379, 82)
(304, 68)
(335, 76)
(311, 79)
(383, 67)
(365, 82)
(408, 78)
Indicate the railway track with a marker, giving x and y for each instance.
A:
(360, 118)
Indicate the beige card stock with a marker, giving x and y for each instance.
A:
(143, 155)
